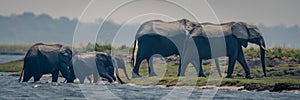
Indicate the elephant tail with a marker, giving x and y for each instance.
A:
(132, 58)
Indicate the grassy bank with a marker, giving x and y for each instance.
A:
(284, 76)
(14, 48)
(14, 66)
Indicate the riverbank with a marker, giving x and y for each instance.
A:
(283, 77)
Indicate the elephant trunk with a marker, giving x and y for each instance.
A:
(71, 74)
(125, 72)
(262, 56)
(118, 76)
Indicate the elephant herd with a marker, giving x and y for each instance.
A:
(54, 58)
(187, 39)
(192, 41)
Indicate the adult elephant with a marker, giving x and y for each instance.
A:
(48, 58)
(208, 37)
(96, 63)
(159, 37)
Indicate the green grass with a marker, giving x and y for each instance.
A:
(284, 74)
(14, 48)
(275, 52)
(167, 73)
(15, 66)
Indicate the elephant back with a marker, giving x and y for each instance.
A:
(49, 48)
(158, 27)
(213, 30)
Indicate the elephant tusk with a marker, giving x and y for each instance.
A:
(263, 48)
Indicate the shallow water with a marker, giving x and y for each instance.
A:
(8, 58)
(12, 89)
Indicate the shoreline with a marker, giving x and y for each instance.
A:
(234, 88)
(12, 53)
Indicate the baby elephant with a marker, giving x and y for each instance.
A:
(95, 63)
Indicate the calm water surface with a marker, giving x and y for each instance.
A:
(8, 58)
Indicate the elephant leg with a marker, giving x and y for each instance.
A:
(182, 67)
(135, 72)
(242, 61)
(96, 77)
(113, 76)
(55, 75)
(37, 77)
(150, 67)
(218, 67)
(198, 67)
(108, 77)
(231, 64)
(26, 76)
(81, 80)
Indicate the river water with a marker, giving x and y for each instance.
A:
(7, 58)
(10, 88)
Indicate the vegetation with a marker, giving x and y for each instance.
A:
(14, 66)
(14, 48)
(276, 52)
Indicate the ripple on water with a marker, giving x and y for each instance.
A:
(12, 89)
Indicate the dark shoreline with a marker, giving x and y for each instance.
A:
(11, 53)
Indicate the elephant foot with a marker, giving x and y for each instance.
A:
(180, 74)
(152, 74)
(228, 76)
(201, 75)
(136, 75)
(248, 77)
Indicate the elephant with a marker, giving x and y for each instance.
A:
(48, 58)
(207, 37)
(159, 37)
(96, 63)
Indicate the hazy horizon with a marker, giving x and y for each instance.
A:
(277, 19)
(267, 12)
(46, 29)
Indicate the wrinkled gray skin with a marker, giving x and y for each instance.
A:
(48, 58)
(236, 35)
(95, 63)
(120, 64)
(159, 37)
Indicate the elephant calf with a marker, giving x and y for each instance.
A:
(48, 58)
(96, 63)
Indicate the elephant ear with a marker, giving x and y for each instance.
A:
(101, 57)
(105, 59)
(240, 31)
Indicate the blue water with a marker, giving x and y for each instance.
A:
(8, 58)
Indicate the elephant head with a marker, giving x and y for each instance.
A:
(66, 68)
(250, 33)
(188, 25)
(106, 67)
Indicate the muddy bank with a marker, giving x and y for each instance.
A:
(279, 87)
(272, 62)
